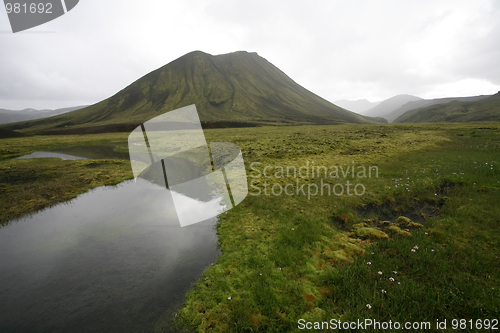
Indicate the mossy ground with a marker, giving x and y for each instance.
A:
(15, 147)
(27, 185)
(285, 257)
(291, 257)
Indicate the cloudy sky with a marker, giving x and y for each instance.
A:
(337, 49)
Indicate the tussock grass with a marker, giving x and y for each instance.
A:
(31, 184)
(286, 258)
(15, 147)
(291, 257)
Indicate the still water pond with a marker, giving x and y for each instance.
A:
(111, 260)
(106, 151)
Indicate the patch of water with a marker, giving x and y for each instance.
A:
(48, 154)
(111, 260)
(105, 151)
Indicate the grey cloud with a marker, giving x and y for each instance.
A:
(336, 49)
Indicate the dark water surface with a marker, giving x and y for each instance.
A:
(104, 151)
(111, 260)
(49, 154)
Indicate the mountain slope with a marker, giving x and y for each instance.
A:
(389, 105)
(12, 116)
(427, 102)
(9, 134)
(487, 109)
(358, 106)
(233, 89)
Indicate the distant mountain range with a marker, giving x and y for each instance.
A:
(391, 116)
(12, 116)
(235, 90)
(408, 108)
(468, 109)
(358, 106)
(229, 90)
(389, 105)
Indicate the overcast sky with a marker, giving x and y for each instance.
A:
(336, 49)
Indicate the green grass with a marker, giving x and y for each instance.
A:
(31, 184)
(15, 147)
(290, 257)
(284, 258)
(455, 271)
(28, 185)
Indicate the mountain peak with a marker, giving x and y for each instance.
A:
(235, 89)
(358, 106)
(390, 104)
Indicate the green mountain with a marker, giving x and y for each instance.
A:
(229, 90)
(427, 102)
(487, 109)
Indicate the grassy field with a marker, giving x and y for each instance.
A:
(28, 185)
(413, 237)
(345, 257)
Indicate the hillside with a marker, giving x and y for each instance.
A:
(12, 116)
(229, 90)
(487, 109)
(427, 102)
(387, 106)
(9, 134)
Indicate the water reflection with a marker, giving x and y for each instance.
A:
(112, 260)
(105, 151)
(49, 154)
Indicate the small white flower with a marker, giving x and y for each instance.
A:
(372, 253)
(391, 279)
(369, 263)
(260, 274)
(412, 250)
(399, 282)
(426, 233)
(293, 229)
(407, 229)
(229, 298)
(415, 247)
(383, 291)
(368, 306)
(432, 250)
(380, 272)
(395, 272)
(279, 268)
